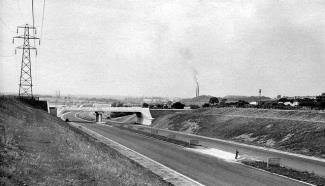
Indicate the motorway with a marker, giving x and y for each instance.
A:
(205, 169)
(290, 160)
(295, 161)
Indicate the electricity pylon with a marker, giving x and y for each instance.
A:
(26, 82)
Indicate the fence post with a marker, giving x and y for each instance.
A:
(3, 131)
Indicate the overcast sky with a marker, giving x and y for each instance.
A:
(157, 47)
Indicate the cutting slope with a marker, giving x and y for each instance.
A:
(39, 149)
(297, 131)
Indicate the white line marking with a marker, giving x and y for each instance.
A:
(184, 148)
(148, 137)
(175, 172)
(279, 175)
(192, 150)
(242, 144)
(218, 158)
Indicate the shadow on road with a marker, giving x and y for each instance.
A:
(78, 121)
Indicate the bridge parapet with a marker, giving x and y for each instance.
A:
(143, 114)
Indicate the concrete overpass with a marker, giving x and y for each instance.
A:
(143, 114)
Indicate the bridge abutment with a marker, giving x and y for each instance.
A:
(99, 116)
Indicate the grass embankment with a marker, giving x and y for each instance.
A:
(299, 175)
(296, 131)
(39, 149)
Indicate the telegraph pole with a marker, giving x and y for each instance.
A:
(260, 95)
(26, 82)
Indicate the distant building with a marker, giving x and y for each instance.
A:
(253, 103)
(131, 105)
(155, 100)
(320, 98)
(304, 97)
(100, 105)
(288, 103)
(299, 97)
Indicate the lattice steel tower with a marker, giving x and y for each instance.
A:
(26, 82)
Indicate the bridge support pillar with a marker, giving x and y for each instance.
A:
(99, 116)
(144, 117)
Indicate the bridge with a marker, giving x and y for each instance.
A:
(143, 114)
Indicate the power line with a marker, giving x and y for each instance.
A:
(33, 13)
(34, 30)
(41, 36)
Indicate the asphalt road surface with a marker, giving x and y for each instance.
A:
(295, 162)
(205, 169)
(301, 163)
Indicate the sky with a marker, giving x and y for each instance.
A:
(162, 47)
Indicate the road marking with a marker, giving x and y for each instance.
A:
(210, 155)
(279, 175)
(148, 137)
(242, 144)
(190, 179)
(143, 156)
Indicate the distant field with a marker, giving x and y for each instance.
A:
(39, 149)
(296, 131)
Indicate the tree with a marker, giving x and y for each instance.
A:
(194, 106)
(283, 100)
(223, 102)
(178, 105)
(205, 105)
(145, 105)
(242, 103)
(165, 107)
(114, 104)
(306, 102)
(117, 104)
(159, 106)
(213, 100)
(169, 104)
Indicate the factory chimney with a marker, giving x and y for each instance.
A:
(197, 89)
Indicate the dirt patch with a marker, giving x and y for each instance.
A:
(245, 137)
(287, 137)
(190, 126)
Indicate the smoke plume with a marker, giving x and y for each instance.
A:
(187, 55)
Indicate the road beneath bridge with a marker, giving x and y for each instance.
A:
(205, 169)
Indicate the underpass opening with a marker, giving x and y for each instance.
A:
(143, 114)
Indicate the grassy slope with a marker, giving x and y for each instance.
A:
(296, 131)
(40, 149)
